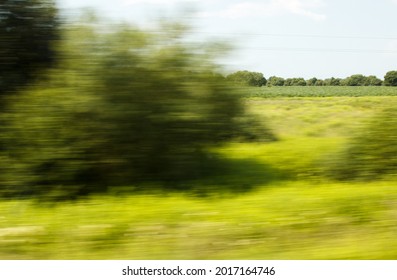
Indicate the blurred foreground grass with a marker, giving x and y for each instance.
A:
(289, 220)
(295, 215)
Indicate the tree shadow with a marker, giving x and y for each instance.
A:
(217, 175)
(227, 175)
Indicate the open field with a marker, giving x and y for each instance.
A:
(289, 212)
(318, 91)
(318, 116)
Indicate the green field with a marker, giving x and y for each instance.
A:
(318, 91)
(288, 211)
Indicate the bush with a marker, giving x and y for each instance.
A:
(371, 153)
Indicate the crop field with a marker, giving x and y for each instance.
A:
(286, 209)
(318, 91)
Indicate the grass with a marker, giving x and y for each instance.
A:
(290, 220)
(288, 211)
(323, 117)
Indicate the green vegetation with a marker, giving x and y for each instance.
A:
(272, 92)
(122, 107)
(360, 80)
(275, 81)
(295, 82)
(372, 151)
(132, 147)
(290, 211)
(391, 78)
(247, 78)
(294, 220)
(252, 79)
(28, 30)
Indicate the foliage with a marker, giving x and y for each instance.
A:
(332, 82)
(354, 80)
(373, 81)
(275, 81)
(122, 107)
(320, 82)
(323, 220)
(28, 30)
(247, 78)
(295, 82)
(361, 80)
(371, 153)
(391, 78)
(312, 81)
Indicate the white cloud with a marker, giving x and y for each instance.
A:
(272, 8)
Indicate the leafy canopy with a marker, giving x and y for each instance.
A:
(28, 30)
(124, 106)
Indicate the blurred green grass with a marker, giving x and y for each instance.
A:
(289, 220)
(323, 117)
(296, 214)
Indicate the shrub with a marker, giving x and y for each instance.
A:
(371, 152)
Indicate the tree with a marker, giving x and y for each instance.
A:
(312, 81)
(295, 82)
(373, 81)
(391, 78)
(320, 82)
(275, 81)
(354, 80)
(247, 78)
(332, 82)
(123, 108)
(28, 30)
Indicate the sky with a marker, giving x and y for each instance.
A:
(286, 38)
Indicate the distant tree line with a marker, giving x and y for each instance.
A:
(248, 78)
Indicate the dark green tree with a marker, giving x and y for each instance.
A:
(312, 81)
(28, 29)
(123, 108)
(354, 80)
(373, 81)
(332, 82)
(247, 78)
(295, 82)
(320, 82)
(275, 81)
(391, 79)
